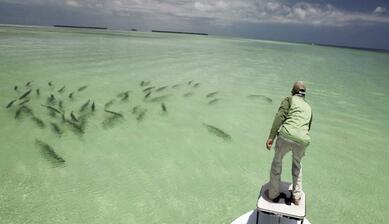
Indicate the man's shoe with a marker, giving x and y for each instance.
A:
(296, 201)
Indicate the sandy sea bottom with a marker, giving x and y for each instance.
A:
(191, 149)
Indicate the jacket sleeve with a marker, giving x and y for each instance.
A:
(280, 117)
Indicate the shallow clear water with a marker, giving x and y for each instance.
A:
(167, 167)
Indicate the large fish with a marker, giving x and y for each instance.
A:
(213, 101)
(10, 103)
(62, 89)
(141, 115)
(218, 132)
(25, 101)
(52, 109)
(49, 153)
(145, 83)
(74, 118)
(25, 94)
(125, 96)
(147, 95)
(114, 113)
(51, 99)
(108, 104)
(84, 106)
(93, 107)
(71, 95)
(148, 88)
(211, 94)
(160, 88)
(82, 88)
(163, 106)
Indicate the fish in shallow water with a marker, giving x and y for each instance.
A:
(38, 92)
(163, 106)
(121, 94)
(49, 153)
(10, 104)
(93, 107)
(145, 83)
(108, 104)
(125, 96)
(141, 115)
(50, 83)
(62, 89)
(148, 88)
(84, 106)
(258, 96)
(213, 101)
(51, 99)
(52, 108)
(160, 88)
(82, 88)
(25, 94)
(114, 113)
(218, 132)
(74, 118)
(190, 82)
(16, 88)
(147, 95)
(176, 85)
(211, 94)
(71, 95)
(25, 101)
(28, 83)
(196, 85)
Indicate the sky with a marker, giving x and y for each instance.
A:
(356, 23)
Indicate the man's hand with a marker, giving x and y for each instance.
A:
(269, 143)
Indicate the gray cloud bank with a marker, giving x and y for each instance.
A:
(300, 21)
(224, 12)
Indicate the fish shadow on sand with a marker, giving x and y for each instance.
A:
(49, 154)
(218, 132)
(259, 96)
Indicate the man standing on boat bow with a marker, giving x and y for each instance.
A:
(291, 125)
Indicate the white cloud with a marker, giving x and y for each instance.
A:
(72, 3)
(230, 11)
(379, 10)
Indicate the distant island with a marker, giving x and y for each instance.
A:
(167, 31)
(82, 27)
(353, 48)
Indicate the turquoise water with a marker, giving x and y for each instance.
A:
(167, 166)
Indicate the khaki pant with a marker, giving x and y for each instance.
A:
(283, 146)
